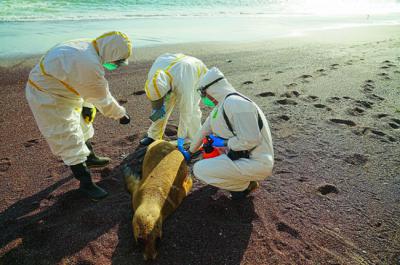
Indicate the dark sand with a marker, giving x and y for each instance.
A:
(333, 103)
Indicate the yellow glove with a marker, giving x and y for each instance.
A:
(88, 114)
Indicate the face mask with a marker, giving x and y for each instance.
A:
(114, 65)
(157, 114)
(110, 66)
(167, 97)
(206, 101)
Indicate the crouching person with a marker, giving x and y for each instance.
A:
(238, 127)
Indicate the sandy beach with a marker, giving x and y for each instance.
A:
(332, 99)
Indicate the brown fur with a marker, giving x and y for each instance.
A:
(165, 182)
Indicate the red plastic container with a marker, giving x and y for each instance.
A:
(208, 150)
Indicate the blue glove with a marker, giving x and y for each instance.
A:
(217, 141)
(185, 153)
(181, 141)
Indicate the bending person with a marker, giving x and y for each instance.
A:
(172, 80)
(63, 91)
(239, 128)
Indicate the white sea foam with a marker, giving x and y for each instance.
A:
(41, 23)
(59, 10)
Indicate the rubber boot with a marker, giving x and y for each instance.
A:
(90, 189)
(146, 141)
(238, 195)
(93, 160)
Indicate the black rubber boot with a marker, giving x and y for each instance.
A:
(90, 189)
(239, 195)
(146, 141)
(95, 161)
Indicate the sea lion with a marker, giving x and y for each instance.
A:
(160, 189)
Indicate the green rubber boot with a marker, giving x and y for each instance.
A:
(93, 160)
(238, 195)
(90, 189)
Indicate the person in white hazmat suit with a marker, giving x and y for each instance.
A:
(63, 91)
(173, 80)
(238, 127)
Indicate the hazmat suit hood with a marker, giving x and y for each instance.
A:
(113, 46)
(158, 85)
(220, 89)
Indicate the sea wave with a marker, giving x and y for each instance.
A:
(63, 10)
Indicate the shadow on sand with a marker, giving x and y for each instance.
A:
(201, 231)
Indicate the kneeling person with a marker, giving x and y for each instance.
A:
(238, 126)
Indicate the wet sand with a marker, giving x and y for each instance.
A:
(333, 102)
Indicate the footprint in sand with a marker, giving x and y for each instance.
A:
(284, 117)
(248, 82)
(321, 72)
(138, 93)
(383, 135)
(326, 189)
(280, 245)
(345, 97)
(266, 79)
(385, 76)
(381, 115)
(291, 85)
(333, 99)
(290, 94)
(368, 86)
(375, 97)
(5, 164)
(334, 66)
(31, 142)
(364, 104)
(357, 111)
(310, 98)
(376, 134)
(286, 102)
(356, 159)
(282, 227)
(394, 125)
(132, 138)
(305, 78)
(319, 106)
(266, 94)
(279, 72)
(122, 101)
(345, 122)
(396, 121)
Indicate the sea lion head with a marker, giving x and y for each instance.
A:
(147, 230)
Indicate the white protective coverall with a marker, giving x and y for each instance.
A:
(180, 74)
(68, 77)
(221, 171)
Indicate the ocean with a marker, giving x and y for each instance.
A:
(32, 26)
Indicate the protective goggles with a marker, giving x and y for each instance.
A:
(202, 90)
